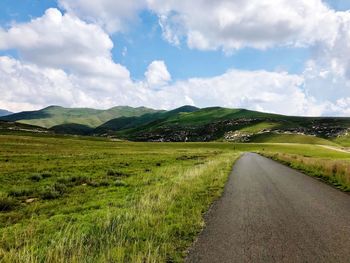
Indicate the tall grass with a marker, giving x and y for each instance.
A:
(335, 172)
(157, 227)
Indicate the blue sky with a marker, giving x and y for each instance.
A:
(158, 51)
(144, 44)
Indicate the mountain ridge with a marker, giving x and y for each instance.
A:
(186, 123)
(56, 115)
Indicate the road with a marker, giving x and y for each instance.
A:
(271, 213)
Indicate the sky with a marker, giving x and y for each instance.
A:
(280, 56)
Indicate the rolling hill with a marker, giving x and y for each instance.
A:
(189, 123)
(237, 125)
(5, 112)
(126, 123)
(56, 115)
(6, 126)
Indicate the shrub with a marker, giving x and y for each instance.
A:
(115, 173)
(36, 177)
(20, 192)
(78, 180)
(54, 192)
(61, 188)
(7, 203)
(74, 180)
(50, 194)
(93, 184)
(46, 175)
(104, 183)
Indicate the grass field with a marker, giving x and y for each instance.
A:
(343, 140)
(71, 200)
(65, 199)
(291, 138)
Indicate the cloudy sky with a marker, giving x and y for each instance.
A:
(282, 56)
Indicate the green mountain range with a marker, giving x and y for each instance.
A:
(188, 123)
(56, 115)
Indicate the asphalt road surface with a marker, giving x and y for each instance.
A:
(271, 213)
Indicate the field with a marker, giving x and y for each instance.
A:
(290, 138)
(94, 200)
(67, 199)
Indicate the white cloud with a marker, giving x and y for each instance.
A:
(257, 90)
(28, 86)
(66, 58)
(157, 74)
(111, 14)
(220, 24)
(327, 73)
(231, 25)
(24, 85)
(66, 42)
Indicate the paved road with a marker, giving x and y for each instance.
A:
(271, 213)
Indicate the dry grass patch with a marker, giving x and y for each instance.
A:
(335, 172)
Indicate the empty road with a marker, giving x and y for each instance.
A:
(271, 213)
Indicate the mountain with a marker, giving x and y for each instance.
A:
(56, 115)
(5, 112)
(216, 123)
(189, 123)
(125, 123)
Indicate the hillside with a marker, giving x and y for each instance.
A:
(126, 123)
(237, 125)
(55, 115)
(189, 123)
(5, 112)
(6, 126)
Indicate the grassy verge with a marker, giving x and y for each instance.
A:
(69, 200)
(332, 171)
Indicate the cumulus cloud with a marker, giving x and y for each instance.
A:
(257, 90)
(63, 41)
(327, 73)
(66, 58)
(157, 74)
(23, 85)
(110, 14)
(221, 24)
(28, 86)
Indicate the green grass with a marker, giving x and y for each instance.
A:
(260, 126)
(290, 138)
(342, 140)
(209, 115)
(186, 123)
(55, 115)
(66, 199)
(76, 200)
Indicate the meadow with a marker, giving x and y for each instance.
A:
(71, 199)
